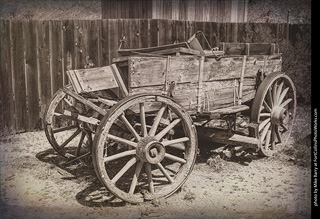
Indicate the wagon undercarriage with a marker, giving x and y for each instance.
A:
(139, 118)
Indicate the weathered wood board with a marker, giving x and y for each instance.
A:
(220, 79)
(89, 80)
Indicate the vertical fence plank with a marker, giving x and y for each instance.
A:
(56, 54)
(18, 68)
(144, 33)
(29, 29)
(134, 32)
(7, 101)
(43, 62)
(154, 32)
(114, 37)
(68, 45)
(165, 32)
(104, 42)
(179, 31)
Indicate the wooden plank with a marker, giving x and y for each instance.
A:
(243, 49)
(167, 10)
(43, 63)
(222, 137)
(179, 31)
(175, 9)
(126, 52)
(93, 52)
(119, 79)
(80, 41)
(165, 32)
(6, 74)
(234, 11)
(144, 33)
(154, 33)
(29, 29)
(140, 68)
(56, 55)
(183, 10)
(68, 45)
(134, 33)
(18, 68)
(113, 38)
(104, 43)
(93, 79)
(190, 14)
(146, 9)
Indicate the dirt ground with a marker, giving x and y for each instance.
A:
(37, 183)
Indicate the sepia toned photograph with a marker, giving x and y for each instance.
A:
(164, 109)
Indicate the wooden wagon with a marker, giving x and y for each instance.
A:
(140, 116)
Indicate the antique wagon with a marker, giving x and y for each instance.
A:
(139, 117)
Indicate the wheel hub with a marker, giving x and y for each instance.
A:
(150, 150)
(278, 115)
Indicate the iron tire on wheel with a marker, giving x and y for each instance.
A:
(274, 109)
(167, 154)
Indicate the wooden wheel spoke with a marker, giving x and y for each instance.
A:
(267, 107)
(286, 102)
(157, 119)
(264, 132)
(279, 91)
(165, 172)
(77, 132)
(144, 131)
(285, 128)
(283, 94)
(273, 138)
(263, 124)
(119, 155)
(149, 175)
(177, 141)
(122, 140)
(265, 115)
(278, 134)
(268, 138)
(64, 129)
(83, 134)
(129, 126)
(124, 169)
(175, 158)
(167, 129)
(135, 177)
(269, 99)
(274, 93)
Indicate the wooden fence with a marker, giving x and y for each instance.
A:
(34, 54)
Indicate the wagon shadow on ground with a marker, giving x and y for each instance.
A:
(81, 172)
(211, 153)
(96, 195)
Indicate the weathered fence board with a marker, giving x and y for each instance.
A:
(35, 55)
(31, 75)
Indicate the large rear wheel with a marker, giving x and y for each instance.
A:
(274, 109)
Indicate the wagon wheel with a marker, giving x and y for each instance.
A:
(70, 137)
(145, 148)
(274, 109)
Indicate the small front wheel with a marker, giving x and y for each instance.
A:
(145, 148)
